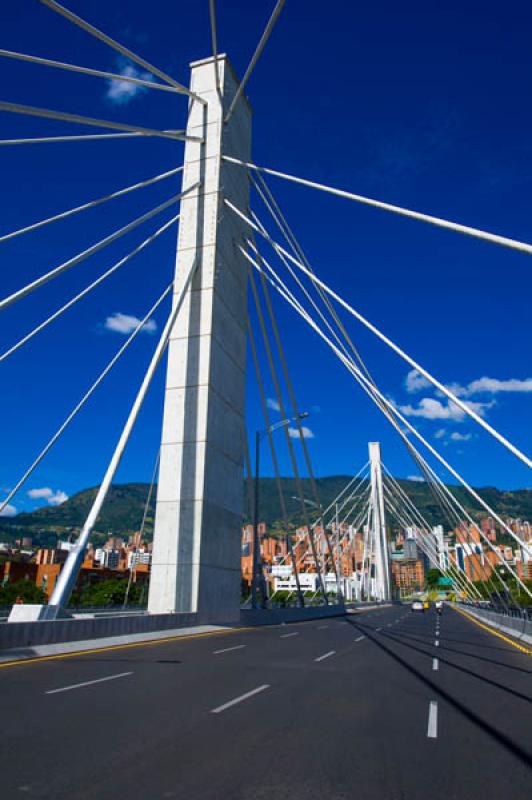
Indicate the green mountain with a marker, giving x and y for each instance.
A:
(124, 507)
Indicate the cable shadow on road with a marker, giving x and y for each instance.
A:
(509, 744)
(466, 671)
(446, 639)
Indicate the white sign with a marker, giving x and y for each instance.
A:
(282, 571)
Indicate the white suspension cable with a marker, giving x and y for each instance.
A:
(440, 386)
(87, 289)
(68, 574)
(212, 14)
(260, 47)
(405, 499)
(301, 285)
(374, 393)
(86, 26)
(344, 490)
(502, 559)
(462, 578)
(276, 384)
(357, 500)
(280, 220)
(85, 397)
(82, 138)
(353, 497)
(30, 287)
(504, 241)
(277, 215)
(91, 204)
(32, 111)
(97, 73)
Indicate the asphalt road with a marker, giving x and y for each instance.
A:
(366, 707)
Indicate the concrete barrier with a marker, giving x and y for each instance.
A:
(516, 627)
(29, 634)
(276, 616)
(23, 637)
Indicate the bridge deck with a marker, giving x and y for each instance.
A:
(365, 706)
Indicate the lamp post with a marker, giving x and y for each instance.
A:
(258, 576)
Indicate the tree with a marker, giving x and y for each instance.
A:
(26, 590)
(108, 593)
(432, 578)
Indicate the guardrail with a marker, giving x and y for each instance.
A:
(515, 622)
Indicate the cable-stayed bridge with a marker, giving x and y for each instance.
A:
(327, 702)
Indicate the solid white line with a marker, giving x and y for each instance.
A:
(287, 635)
(432, 729)
(360, 638)
(228, 649)
(435, 664)
(239, 699)
(377, 630)
(325, 655)
(322, 627)
(88, 683)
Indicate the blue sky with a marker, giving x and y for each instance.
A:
(423, 107)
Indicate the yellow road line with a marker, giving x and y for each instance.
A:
(488, 628)
(145, 643)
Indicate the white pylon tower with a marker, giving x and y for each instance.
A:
(197, 534)
(382, 583)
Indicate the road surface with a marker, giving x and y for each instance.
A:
(382, 705)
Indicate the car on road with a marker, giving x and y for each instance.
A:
(426, 604)
(417, 605)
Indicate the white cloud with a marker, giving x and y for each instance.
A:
(487, 385)
(273, 404)
(440, 433)
(461, 437)
(126, 323)
(430, 408)
(416, 478)
(122, 92)
(8, 511)
(415, 382)
(44, 493)
(57, 498)
(51, 497)
(494, 385)
(294, 433)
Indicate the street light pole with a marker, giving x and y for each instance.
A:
(256, 541)
(339, 593)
